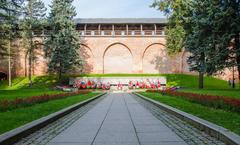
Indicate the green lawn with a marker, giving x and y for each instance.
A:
(18, 117)
(234, 93)
(188, 81)
(223, 118)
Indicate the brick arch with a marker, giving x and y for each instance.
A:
(81, 44)
(117, 58)
(88, 56)
(152, 59)
(117, 43)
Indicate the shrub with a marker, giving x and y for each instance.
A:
(20, 102)
(219, 102)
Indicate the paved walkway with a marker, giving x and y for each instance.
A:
(119, 119)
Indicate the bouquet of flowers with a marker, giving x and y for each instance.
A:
(89, 85)
(94, 85)
(137, 85)
(130, 85)
(108, 86)
(83, 85)
(99, 85)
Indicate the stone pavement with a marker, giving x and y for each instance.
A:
(119, 119)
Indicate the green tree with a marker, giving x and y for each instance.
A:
(34, 15)
(175, 10)
(9, 12)
(230, 33)
(63, 42)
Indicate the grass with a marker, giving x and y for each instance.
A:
(234, 93)
(188, 81)
(18, 117)
(220, 117)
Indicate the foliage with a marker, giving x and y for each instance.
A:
(26, 93)
(34, 14)
(172, 84)
(175, 39)
(175, 10)
(63, 42)
(218, 102)
(9, 12)
(23, 102)
(216, 116)
(234, 93)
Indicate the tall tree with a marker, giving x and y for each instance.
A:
(63, 43)
(9, 12)
(175, 10)
(34, 14)
(190, 23)
(231, 32)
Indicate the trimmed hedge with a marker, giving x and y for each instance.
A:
(21, 102)
(218, 102)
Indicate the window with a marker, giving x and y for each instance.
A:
(102, 33)
(113, 33)
(133, 33)
(153, 32)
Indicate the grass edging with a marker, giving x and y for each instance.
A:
(219, 132)
(25, 130)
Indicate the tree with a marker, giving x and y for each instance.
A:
(230, 19)
(9, 12)
(34, 14)
(175, 10)
(63, 41)
(191, 24)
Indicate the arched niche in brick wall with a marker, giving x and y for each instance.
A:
(86, 54)
(117, 58)
(154, 59)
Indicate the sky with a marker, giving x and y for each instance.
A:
(114, 9)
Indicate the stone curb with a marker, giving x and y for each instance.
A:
(214, 130)
(25, 130)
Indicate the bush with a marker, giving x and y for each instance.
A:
(218, 102)
(20, 102)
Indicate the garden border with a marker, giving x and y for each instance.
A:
(219, 132)
(27, 129)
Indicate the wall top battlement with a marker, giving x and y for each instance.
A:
(121, 26)
(121, 21)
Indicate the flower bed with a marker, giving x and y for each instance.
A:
(219, 102)
(19, 102)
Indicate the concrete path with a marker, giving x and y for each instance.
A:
(117, 120)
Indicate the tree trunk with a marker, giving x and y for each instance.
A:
(238, 77)
(9, 64)
(30, 70)
(60, 72)
(202, 70)
(201, 80)
(25, 59)
(30, 63)
(237, 44)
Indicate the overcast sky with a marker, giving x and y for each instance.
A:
(114, 9)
